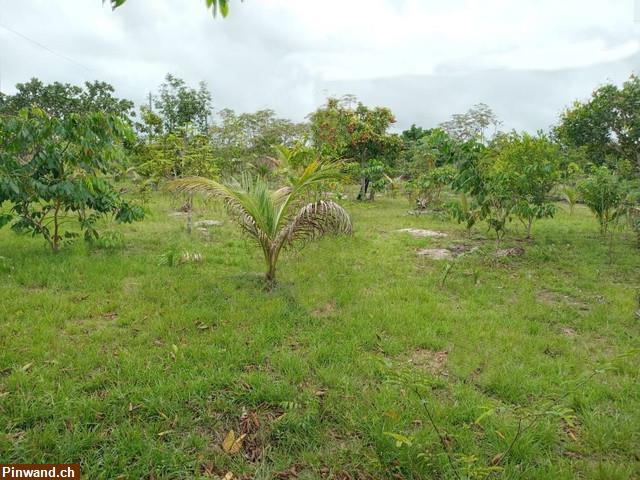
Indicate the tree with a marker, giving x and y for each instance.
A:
(243, 140)
(61, 99)
(604, 193)
(177, 142)
(427, 187)
(474, 124)
(414, 133)
(182, 107)
(51, 168)
(464, 210)
(276, 219)
(360, 134)
(172, 157)
(530, 166)
(434, 148)
(607, 126)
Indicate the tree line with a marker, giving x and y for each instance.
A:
(64, 147)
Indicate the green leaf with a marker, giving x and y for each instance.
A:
(224, 7)
(5, 218)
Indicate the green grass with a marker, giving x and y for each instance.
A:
(138, 370)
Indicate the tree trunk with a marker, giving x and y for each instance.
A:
(271, 274)
(364, 186)
(529, 225)
(55, 241)
(190, 214)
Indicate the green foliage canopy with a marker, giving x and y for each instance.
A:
(51, 168)
(61, 99)
(607, 126)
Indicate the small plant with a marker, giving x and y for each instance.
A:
(465, 212)
(427, 188)
(109, 240)
(604, 193)
(570, 196)
(175, 257)
(636, 227)
(269, 217)
(5, 264)
(394, 185)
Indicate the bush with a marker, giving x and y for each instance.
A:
(604, 193)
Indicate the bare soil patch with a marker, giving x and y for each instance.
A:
(422, 233)
(510, 252)
(549, 297)
(434, 362)
(436, 253)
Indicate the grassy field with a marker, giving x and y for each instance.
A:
(138, 370)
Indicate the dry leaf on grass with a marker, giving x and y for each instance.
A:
(232, 444)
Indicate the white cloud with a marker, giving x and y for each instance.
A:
(284, 54)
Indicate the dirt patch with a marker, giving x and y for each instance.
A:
(422, 233)
(549, 297)
(430, 361)
(207, 223)
(326, 310)
(436, 253)
(510, 252)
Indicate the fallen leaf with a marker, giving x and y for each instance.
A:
(27, 366)
(231, 444)
(497, 458)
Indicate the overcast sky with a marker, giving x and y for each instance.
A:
(528, 59)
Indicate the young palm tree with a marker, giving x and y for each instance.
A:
(276, 219)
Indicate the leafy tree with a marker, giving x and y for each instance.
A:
(474, 124)
(376, 174)
(172, 157)
(426, 188)
(434, 148)
(497, 201)
(341, 131)
(61, 99)
(276, 219)
(604, 193)
(181, 107)
(530, 165)
(467, 211)
(51, 168)
(413, 134)
(607, 126)
(150, 124)
(176, 133)
(242, 140)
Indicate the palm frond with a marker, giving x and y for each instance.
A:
(239, 202)
(314, 221)
(317, 172)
